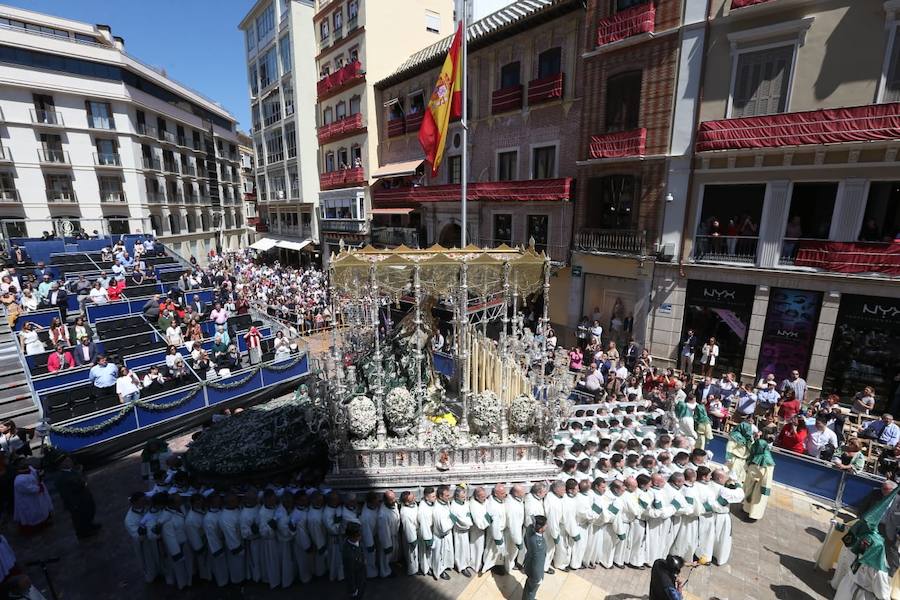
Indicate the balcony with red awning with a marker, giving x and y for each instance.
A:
(506, 99)
(850, 257)
(532, 190)
(624, 24)
(868, 123)
(396, 127)
(414, 121)
(342, 178)
(619, 144)
(546, 89)
(348, 75)
(340, 129)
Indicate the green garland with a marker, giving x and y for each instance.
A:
(92, 429)
(234, 384)
(169, 405)
(283, 366)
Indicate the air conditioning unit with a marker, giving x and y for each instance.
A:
(666, 252)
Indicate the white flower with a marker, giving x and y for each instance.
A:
(485, 412)
(362, 416)
(400, 410)
(521, 414)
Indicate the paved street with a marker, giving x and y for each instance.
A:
(771, 559)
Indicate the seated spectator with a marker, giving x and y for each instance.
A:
(849, 457)
(864, 401)
(59, 333)
(889, 462)
(576, 359)
(716, 411)
(884, 431)
(174, 335)
(172, 307)
(31, 341)
(231, 360)
(222, 331)
(151, 308)
(79, 330)
(202, 364)
(153, 380)
(793, 435)
(29, 301)
(821, 441)
(85, 352)
(165, 319)
(98, 294)
(179, 370)
(14, 441)
(219, 347)
(219, 314)
(789, 406)
(767, 398)
(128, 386)
(115, 289)
(194, 332)
(60, 359)
(746, 402)
(171, 355)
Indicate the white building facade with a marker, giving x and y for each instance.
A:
(94, 139)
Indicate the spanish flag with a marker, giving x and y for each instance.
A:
(445, 103)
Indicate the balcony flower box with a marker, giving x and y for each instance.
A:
(546, 89)
(414, 121)
(340, 129)
(396, 127)
(850, 257)
(530, 190)
(506, 99)
(632, 21)
(619, 144)
(341, 178)
(343, 77)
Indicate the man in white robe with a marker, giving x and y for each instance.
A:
(478, 531)
(583, 524)
(462, 523)
(494, 545)
(333, 521)
(659, 520)
(304, 550)
(442, 553)
(426, 529)
(515, 527)
(570, 535)
(597, 537)
(726, 493)
(146, 549)
(32, 506)
(619, 506)
(680, 507)
(409, 527)
(215, 540)
(174, 541)
(318, 534)
(230, 524)
(196, 538)
(642, 499)
(369, 521)
(553, 535)
(269, 548)
(250, 535)
(706, 528)
(284, 535)
(534, 506)
(388, 533)
(687, 536)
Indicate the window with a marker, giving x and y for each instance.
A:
(327, 116)
(623, 101)
(294, 182)
(204, 221)
(174, 224)
(288, 101)
(355, 105)
(106, 147)
(15, 229)
(761, 82)
(268, 68)
(338, 19)
(324, 32)
(329, 162)
(612, 201)
(537, 230)
(454, 169)
(290, 138)
(353, 53)
(543, 163)
(284, 46)
(432, 21)
(340, 111)
(510, 75)
(265, 22)
(111, 189)
(881, 222)
(7, 187)
(809, 217)
(99, 115)
(343, 158)
(44, 109)
(507, 165)
(416, 102)
(254, 117)
(260, 155)
(59, 187)
(271, 109)
(503, 229)
(356, 155)
(729, 223)
(891, 91)
(276, 183)
(549, 62)
(620, 5)
(254, 82)
(352, 11)
(251, 39)
(52, 148)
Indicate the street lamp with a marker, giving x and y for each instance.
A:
(669, 198)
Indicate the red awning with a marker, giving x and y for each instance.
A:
(850, 257)
(533, 190)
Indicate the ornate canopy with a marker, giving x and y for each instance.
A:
(439, 270)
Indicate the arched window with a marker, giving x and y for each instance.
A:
(341, 110)
(327, 116)
(355, 102)
(204, 221)
(343, 158)
(174, 224)
(329, 162)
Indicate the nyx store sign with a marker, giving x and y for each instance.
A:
(720, 295)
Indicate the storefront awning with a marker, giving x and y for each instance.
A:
(392, 211)
(293, 245)
(398, 169)
(263, 244)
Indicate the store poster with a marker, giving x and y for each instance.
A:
(789, 332)
(720, 310)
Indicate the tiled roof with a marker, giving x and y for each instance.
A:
(479, 34)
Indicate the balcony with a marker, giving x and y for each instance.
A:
(348, 75)
(49, 156)
(107, 123)
(352, 24)
(272, 119)
(5, 155)
(556, 252)
(175, 198)
(727, 249)
(9, 196)
(506, 99)
(112, 196)
(343, 225)
(632, 21)
(182, 141)
(188, 170)
(414, 121)
(547, 89)
(396, 127)
(147, 130)
(395, 236)
(151, 164)
(845, 257)
(168, 137)
(342, 178)
(610, 240)
(191, 198)
(156, 198)
(340, 129)
(262, 228)
(171, 167)
(531, 190)
(619, 144)
(104, 159)
(49, 118)
(872, 122)
(61, 197)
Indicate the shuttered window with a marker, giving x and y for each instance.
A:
(761, 82)
(892, 81)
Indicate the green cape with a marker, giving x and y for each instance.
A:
(760, 454)
(742, 434)
(682, 410)
(700, 415)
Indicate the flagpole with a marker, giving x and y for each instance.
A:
(464, 172)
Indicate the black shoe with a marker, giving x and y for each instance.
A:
(550, 571)
(444, 576)
(465, 573)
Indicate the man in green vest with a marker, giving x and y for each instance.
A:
(535, 557)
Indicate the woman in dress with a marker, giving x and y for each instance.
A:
(708, 356)
(174, 335)
(59, 333)
(10, 303)
(282, 347)
(31, 343)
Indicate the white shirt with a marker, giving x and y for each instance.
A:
(816, 440)
(125, 385)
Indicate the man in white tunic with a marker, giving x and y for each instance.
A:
(726, 493)
(304, 550)
(250, 535)
(642, 498)
(442, 553)
(584, 518)
(333, 521)
(318, 534)
(706, 528)
(534, 506)
(426, 529)
(284, 535)
(478, 531)
(388, 533)
(553, 535)
(269, 548)
(659, 520)
(619, 508)
(462, 523)
(174, 541)
(409, 526)
(146, 549)
(33, 506)
(230, 524)
(515, 528)
(370, 542)
(687, 536)
(217, 552)
(597, 537)
(196, 538)
(494, 547)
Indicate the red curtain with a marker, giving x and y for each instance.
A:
(850, 257)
